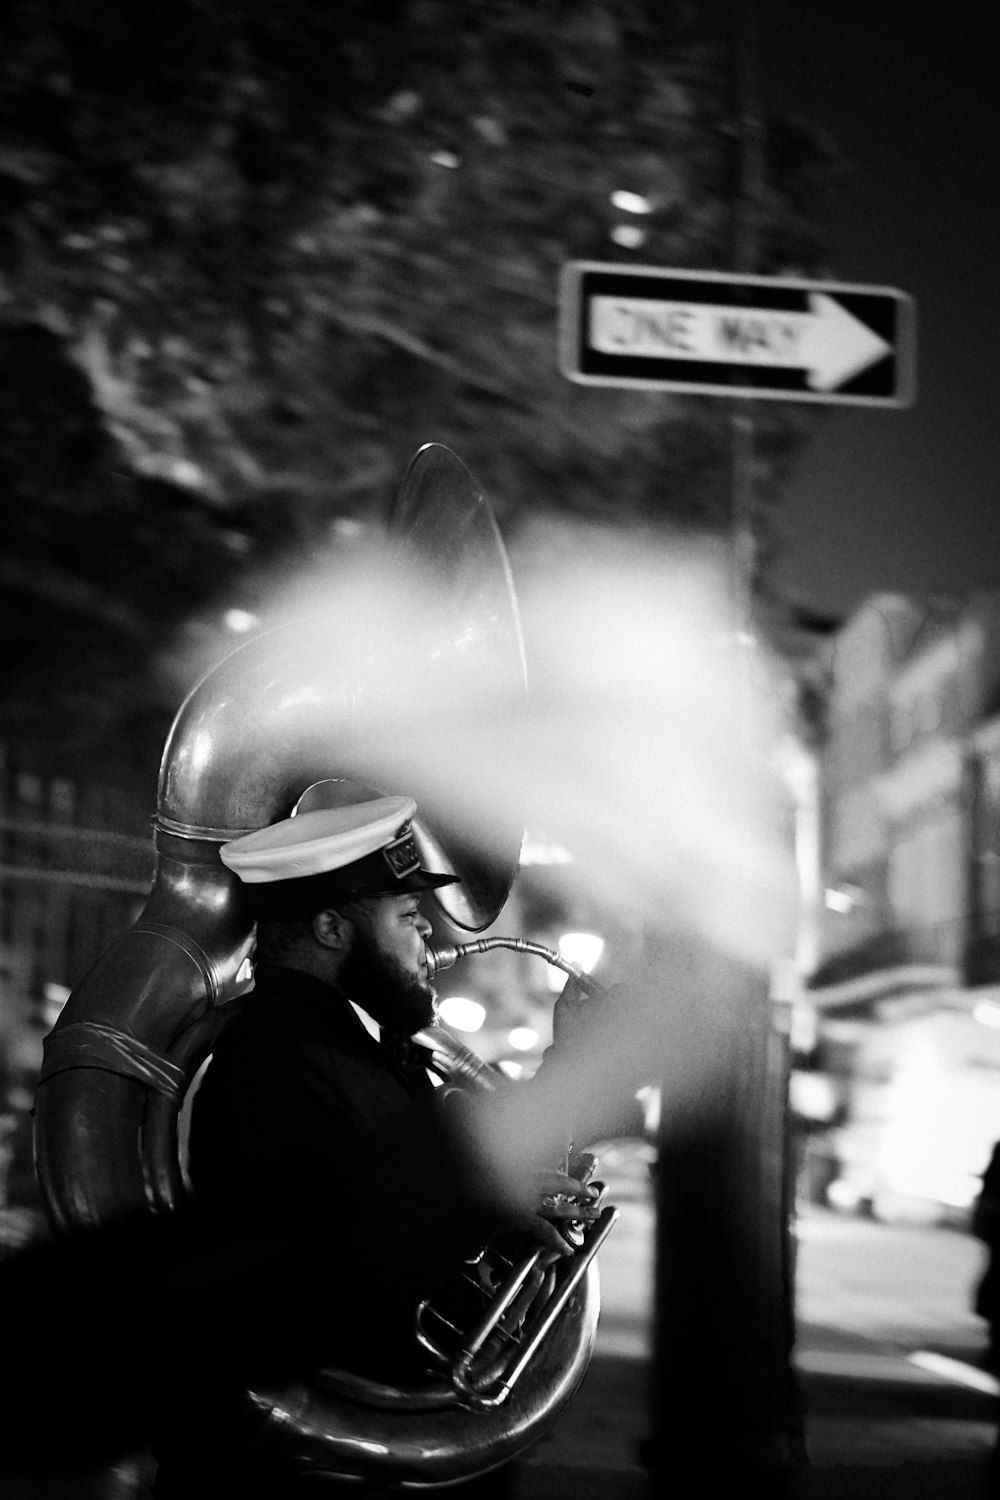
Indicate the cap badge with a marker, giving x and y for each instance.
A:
(401, 855)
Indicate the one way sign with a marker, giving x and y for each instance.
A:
(717, 334)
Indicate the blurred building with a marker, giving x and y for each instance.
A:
(904, 990)
(76, 861)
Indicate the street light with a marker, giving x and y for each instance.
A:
(583, 949)
(240, 621)
(462, 1013)
(843, 898)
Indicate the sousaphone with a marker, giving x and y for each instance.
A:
(289, 708)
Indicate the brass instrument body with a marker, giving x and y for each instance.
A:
(274, 716)
(492, 1354)
(386, 1435)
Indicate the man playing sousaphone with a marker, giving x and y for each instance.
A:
(315, 1071)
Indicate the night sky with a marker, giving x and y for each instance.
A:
(902, 500)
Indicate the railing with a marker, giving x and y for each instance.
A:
(76, 860)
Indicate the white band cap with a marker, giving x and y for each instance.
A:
(318, 841)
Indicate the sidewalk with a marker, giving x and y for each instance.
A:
(882, 1426)
(877, 1427)
(884, 1419)
(594, 1452)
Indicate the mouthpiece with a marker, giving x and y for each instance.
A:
(441, 958)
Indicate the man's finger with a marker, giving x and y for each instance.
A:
(554, 1183)
(556, 1208)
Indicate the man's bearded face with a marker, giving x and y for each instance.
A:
(385, 971)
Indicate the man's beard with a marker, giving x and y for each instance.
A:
(397, 999)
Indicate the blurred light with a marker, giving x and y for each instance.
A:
(786, 981)
(540, 850)
(56, 996)
(629, 235)
(465, 1015)
(988, 1013)
(184, 472)
(843, 898)
(347, 528)
(627, 654)
(402, 106)
(239, 621)
(842, 1194)
(804, 1026)
(512, 1069)
(445, 159)
(631, 203)
(490, 130)
(650, 1100)
(625, 753)
(956, 1370)
(237, 542)
(813, 1095)
(581, 948)
(522, 1038)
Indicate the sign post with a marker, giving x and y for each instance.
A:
(715, 333)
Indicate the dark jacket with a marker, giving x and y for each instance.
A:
(327, 1156)
(303, 1112)
(296, 1082)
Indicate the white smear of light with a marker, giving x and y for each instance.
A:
(650, 1104)
(629, 235)
(631, 203)
(842, 899)
(646, 746)
(987, 1012)
(462, 1013)
(522, 1038)
(581, 948)
(542, 851)
(955, 1370)
(240, 621)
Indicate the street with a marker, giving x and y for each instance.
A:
(889, 1354)
(898, 1284)
(898, 1401)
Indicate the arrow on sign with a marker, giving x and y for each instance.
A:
(826, 342)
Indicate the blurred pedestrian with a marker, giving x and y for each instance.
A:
(985, 1225)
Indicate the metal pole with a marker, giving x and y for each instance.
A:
(725, 1405)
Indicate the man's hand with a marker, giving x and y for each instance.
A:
(563, 1203)
(582, 1008)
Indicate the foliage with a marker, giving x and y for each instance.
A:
(257, 255)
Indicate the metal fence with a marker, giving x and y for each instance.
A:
(76, 862)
